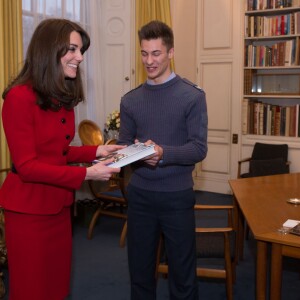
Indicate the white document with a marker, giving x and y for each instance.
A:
(128, 155)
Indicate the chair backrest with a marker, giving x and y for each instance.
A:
(269, 159)
(111, 142)
(114, 190)
(90, 133)
(263, 151)
(267, 167)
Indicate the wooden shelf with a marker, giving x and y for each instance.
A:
(270, 12)
(251, 139)
(272, 96)
(274, 37)
(273, 67)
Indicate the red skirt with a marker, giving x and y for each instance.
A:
(39, 250)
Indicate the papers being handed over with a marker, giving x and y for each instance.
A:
(128, 155)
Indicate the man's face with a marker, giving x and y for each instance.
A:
(156, 59)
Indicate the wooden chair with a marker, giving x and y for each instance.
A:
(211, 243)
(112, 203)
(111, 196)
(112, 200)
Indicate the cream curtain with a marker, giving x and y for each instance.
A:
(10, 57)
(147, 11)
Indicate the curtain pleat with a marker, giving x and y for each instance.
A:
(11, 49)
(147, 11)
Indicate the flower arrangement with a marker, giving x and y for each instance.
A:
(113, 121)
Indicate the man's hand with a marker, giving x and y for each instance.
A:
(153, 159)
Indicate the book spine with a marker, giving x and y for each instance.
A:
(245, 116)
(292, 130)
(287, 121)
(277, 121)
(261, 119)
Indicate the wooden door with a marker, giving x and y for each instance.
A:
(219, 63)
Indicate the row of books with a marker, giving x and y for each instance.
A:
(268, 26)
(267, 119)
(271, 4)
(248, 81)
(285, 53)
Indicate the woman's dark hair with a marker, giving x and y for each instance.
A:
(43, 69)
(155, 30)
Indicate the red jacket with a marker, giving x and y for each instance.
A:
(39, 143)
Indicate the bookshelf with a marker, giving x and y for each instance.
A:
(271, 96)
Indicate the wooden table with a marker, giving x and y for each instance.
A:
(263, 203)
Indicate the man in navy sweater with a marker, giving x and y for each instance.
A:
(171, 113)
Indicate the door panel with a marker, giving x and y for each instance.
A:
(219, 61)
(117, 39)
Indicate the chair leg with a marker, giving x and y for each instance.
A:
(241, 236)
(229, 275)
(93, 223)
(123, 235)
(233, 269)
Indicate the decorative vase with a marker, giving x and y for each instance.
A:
(113, 134)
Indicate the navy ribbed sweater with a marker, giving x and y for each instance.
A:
(174, 116)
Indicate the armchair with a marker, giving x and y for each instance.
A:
(266, 159)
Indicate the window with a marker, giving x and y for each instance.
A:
(80, 11)
(34, 11)
(106, 69)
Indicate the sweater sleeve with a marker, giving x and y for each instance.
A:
(195, 149)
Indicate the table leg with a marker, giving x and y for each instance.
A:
(261, 270)
(276, 272)
(239, 221)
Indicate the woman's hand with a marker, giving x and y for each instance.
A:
(100, 171)
(104, 150)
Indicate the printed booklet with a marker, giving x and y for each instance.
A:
(128, 155)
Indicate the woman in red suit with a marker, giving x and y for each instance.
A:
(38, 120)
